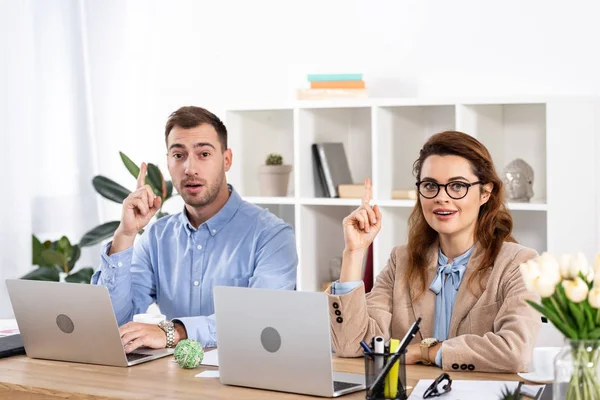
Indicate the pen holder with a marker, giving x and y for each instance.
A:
(393, 386)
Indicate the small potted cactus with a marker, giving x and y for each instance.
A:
(274, 176)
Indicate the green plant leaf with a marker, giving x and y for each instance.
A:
(63, 245)
(589, 316)
(74, 256)
(109, 189)
(161, 214)
(42, 274)
(36, 252)
(99, 233)
(84, 275)
(54, 257)
(564, 328)
(595, 334)
(133, 169)
(155, 179)
(579, 319)
(169, 190)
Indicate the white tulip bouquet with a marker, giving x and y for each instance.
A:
(570, 299)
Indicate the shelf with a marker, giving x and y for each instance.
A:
(270, 200)
(323, 201)
(532, 206)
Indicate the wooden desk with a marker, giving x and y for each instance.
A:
(25, 378)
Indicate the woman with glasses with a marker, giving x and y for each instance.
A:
(459, 271)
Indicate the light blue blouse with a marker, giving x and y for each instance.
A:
(444, 288)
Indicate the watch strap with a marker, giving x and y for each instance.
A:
(169, 328)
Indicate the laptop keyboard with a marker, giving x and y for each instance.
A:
(136, 356)
(337, 385)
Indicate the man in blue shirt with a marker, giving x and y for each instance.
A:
(218, 239)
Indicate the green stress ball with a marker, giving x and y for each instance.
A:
(188, 353)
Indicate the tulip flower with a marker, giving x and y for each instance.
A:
(594, 297)
(544, 286)
(549, 268)
(529, 271)
(575, 289)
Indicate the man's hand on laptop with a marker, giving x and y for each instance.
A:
(138, 209)
(138, 334)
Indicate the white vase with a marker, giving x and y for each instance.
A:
(274, 180)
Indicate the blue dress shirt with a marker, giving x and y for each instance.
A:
(177, 266)
(444, 288)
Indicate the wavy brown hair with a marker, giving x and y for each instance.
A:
(494, 223)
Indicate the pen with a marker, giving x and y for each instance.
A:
(366, 347)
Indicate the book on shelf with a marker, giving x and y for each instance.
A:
(324, 94)
(334, 77)
(338, 85)
(332, 168)
(351, 191)
(404, 194)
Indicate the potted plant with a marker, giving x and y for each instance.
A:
(570, 299)
(274, 176)
(56, 259)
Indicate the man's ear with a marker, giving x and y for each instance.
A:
(487, 192)
(228, 159)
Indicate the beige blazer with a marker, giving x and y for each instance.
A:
(491, 330)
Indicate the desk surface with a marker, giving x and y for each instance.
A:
(25, 378)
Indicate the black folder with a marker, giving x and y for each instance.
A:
(11, 346)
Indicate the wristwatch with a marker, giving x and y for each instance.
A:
(425, 345)
(169, 328)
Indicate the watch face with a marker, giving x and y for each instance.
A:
(430, 341)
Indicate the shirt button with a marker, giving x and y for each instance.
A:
(339, 320)
(120, 264)
(214, 231)
(455, 366)
(196, 283)
(199, 247)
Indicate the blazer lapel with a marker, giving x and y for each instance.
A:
(424, 306)
(468, 296)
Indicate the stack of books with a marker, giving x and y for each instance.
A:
(332, 86)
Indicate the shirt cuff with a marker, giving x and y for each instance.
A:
(201, 329)
(340, 288)
(117, 264)
(438, 358)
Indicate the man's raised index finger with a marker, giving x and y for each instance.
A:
(142, 176)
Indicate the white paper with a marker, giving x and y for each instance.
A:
(465, 390)
(8, 327)
(211, 358)
(208, 374)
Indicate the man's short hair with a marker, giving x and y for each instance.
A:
(190, 117)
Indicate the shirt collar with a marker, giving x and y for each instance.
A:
(220, 219)
(460, 260)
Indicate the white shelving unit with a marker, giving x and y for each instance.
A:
(382, 138)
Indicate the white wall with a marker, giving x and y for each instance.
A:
(150, 57)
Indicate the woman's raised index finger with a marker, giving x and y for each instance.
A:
(142, 176)
(367, 194)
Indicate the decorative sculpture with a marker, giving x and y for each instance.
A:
(518, 181)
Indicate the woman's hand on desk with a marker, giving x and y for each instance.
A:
(360, 229)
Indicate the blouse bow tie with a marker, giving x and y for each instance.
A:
(454, 273)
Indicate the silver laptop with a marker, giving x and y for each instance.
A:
(278, 340)
(71, 322)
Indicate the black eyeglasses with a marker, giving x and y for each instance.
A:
(455, 189)
(434, 389)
